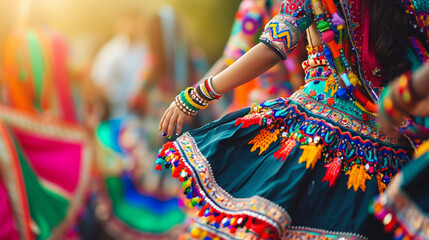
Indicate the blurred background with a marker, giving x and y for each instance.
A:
(87, 24)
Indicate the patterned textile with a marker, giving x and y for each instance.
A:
(43, 161)
(304, 167)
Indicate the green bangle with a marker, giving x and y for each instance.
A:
(185, 101)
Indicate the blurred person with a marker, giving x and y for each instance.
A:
(135, 202)
(403, 208)
(46, 156)
(116, 65)
(334, 158)
(281, 80)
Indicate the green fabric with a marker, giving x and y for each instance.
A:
(47, 209)
(137, 217)
(37, 65)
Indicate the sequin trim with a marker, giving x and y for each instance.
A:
(256, 213)
(292, 121)
(320, 234)
(401, 215)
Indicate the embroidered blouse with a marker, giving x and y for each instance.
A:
(286, 29)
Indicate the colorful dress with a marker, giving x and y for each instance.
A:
(403, 208)
(45, 154)
(303, 167)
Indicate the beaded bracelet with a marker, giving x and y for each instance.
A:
(191, 100)
(183, 107)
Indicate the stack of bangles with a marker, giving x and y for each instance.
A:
(191, 100)
(395, 108)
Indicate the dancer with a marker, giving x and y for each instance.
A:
(309, 165)
(46, 153)
(281, 80)
(403, 207)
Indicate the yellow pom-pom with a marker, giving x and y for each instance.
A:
(195, 232)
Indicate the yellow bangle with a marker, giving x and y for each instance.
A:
(203, 88)
(191, 101)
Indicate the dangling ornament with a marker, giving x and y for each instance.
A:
(357, 177)
(264, 139)
(311, 154)
(251, 119)
(333, 171)
(381, 185)
(285, 149)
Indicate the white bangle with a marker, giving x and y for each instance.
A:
(211, 86)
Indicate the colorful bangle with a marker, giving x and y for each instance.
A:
(387, 107)
(202, 94)
(210, 81)
(183, 107)
(206, 92)
(209, 87)
(192, 101)
(406, 92)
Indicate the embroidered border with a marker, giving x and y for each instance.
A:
(256, 206)
(395, 206)
(319, 234)
(54, 128)
(360, 157)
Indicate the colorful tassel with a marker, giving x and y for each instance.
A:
(263, 140)
(333, 171)
(285, 149)
(381, 185)
(251, 119)
(312, 153)
(357, 177)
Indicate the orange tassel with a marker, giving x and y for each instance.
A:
(312, 153)
(357, 177)
(263, 140)
(330, 6)
(381, 185)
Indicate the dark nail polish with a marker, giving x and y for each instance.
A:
(164, 134)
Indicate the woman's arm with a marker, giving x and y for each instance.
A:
(255, 62)
(393, 110)
(280, 38)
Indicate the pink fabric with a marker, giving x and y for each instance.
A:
(61, 79)
(7, 226)
(56, 161)
(369, 62)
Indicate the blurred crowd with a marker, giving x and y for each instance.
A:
(78, 141)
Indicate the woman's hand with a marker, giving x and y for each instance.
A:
(173, 116)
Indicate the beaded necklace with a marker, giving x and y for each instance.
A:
(332, 27)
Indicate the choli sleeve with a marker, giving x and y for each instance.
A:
(285, 30)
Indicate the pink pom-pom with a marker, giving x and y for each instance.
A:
(328, 36)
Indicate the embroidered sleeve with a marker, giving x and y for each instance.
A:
(285, 30)
(248, 24)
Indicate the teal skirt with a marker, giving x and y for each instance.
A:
(305, 167)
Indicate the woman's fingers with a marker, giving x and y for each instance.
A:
(166, 121)
(161, 123)
(172, 117)
(172, 123)
(179, 123)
